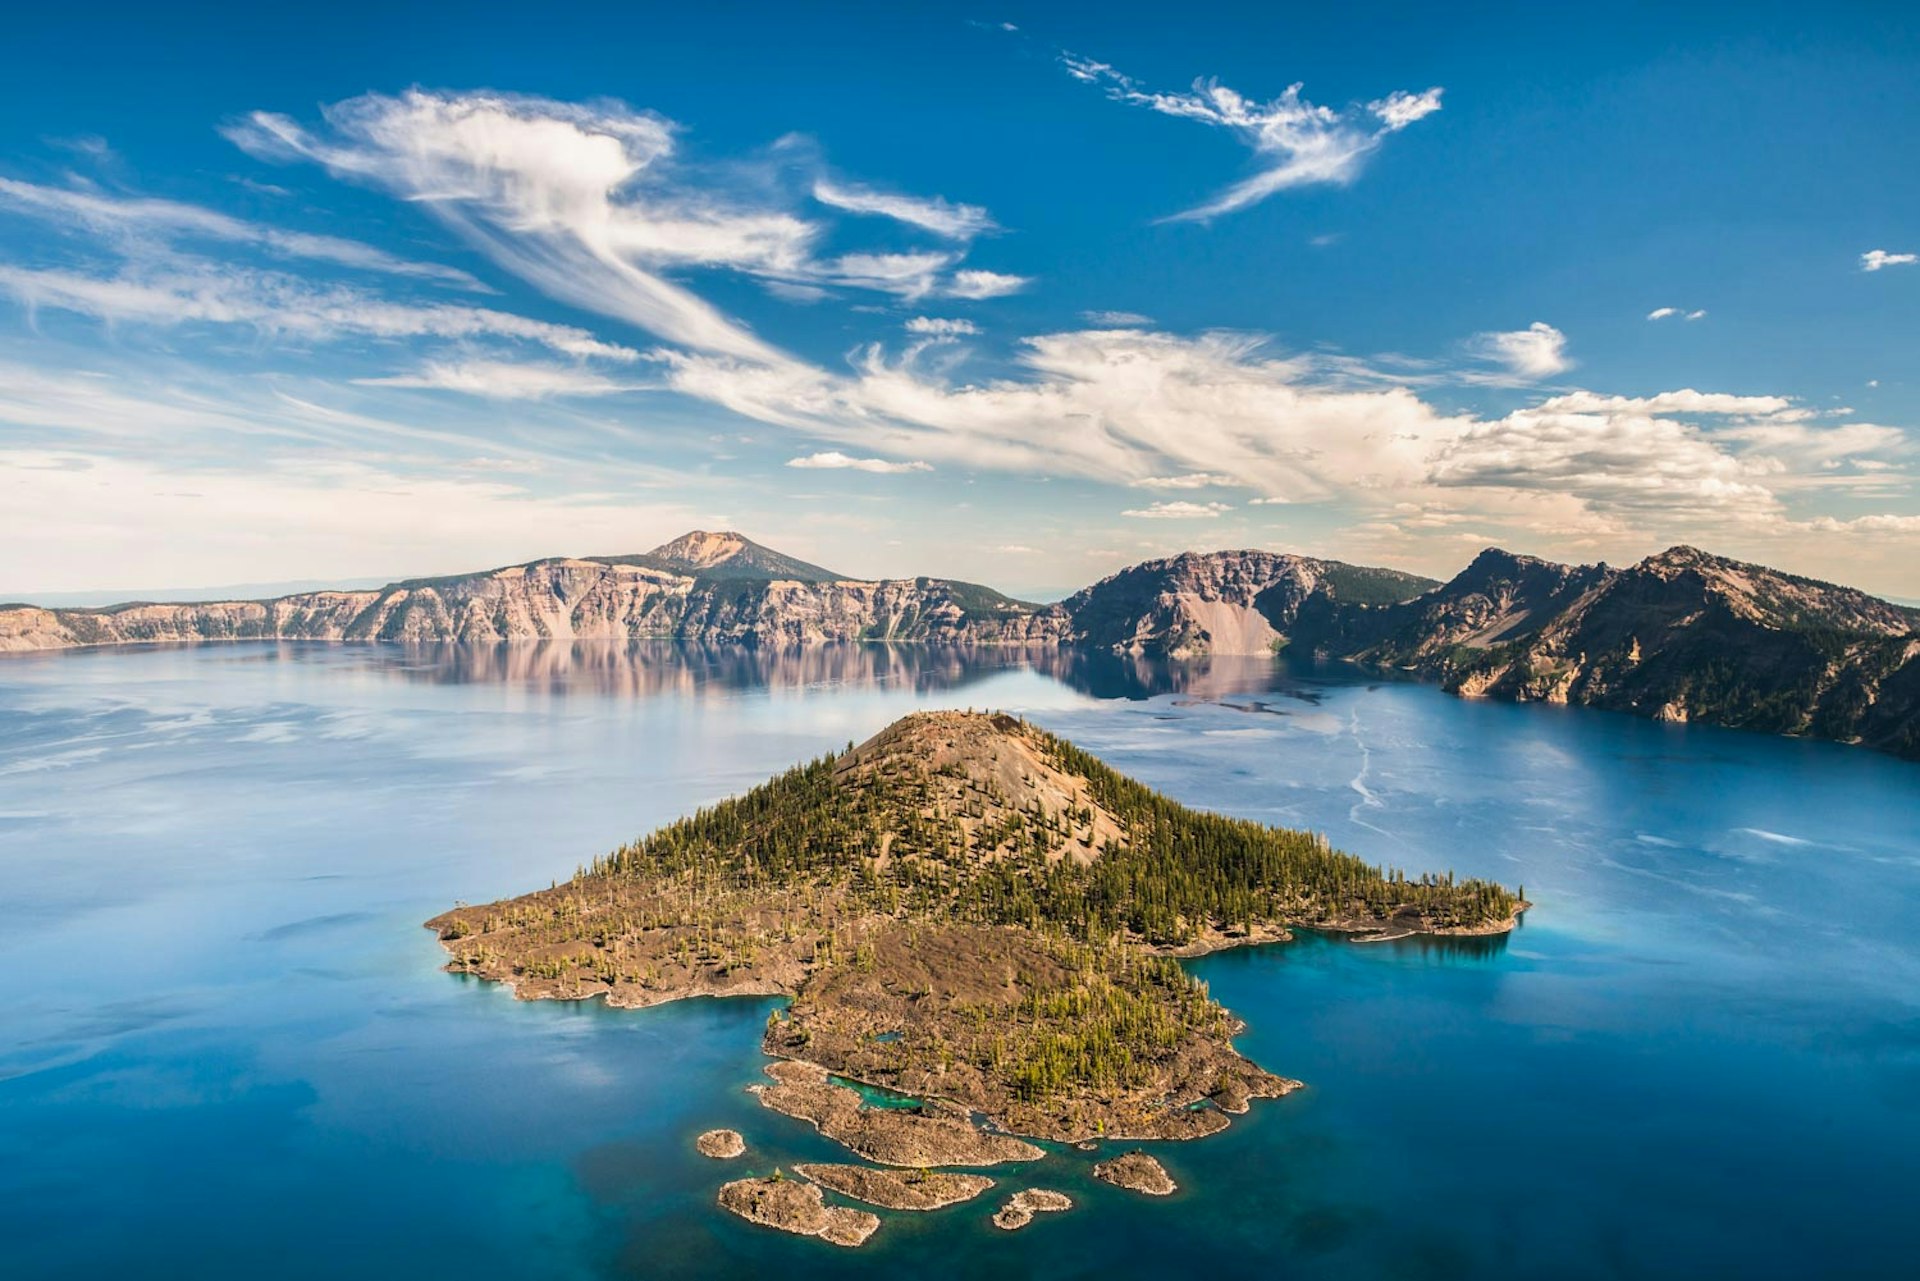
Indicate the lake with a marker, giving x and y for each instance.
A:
(227, 1049)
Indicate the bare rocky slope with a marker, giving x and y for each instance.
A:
(703, 587)
(1682, 636)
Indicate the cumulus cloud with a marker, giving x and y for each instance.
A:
(834, 460)
(1297, 142)
(941, 326)
(1875, 259)
(1178, 510)
(1536, 352)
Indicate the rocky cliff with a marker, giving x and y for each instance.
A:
(705, 588)
(1240, 602)
(1681, 636)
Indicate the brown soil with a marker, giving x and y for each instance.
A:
(798, 1207)
(933, 1135)
(721, 1144)
(1137, 1172)
(897, 1190)
(1020, 1208)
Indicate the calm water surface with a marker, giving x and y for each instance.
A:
(226, 1049)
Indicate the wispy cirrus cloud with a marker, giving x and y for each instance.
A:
(276, 303)
(1298, 143)
(595, 205)
(941, 217)
(1187, 480)
(941, 326)
(1178, 510)
(172, 219)
(1681, 313)
(508, 380)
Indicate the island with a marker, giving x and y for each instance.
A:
(1138, 1172)
(794, 1206)
(1020, 1208)
(721, 1145)
(896, 1189)
(969, 912)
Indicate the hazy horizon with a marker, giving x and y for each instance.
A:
(301, 301)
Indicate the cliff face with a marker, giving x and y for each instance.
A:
(1681, 636)
(1245, 602)
(704, 588)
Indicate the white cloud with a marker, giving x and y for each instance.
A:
(1667, 313)
(1875, 259)
(1189, 480)
(1298, 143)
(1697, 314)
(834, 460)
(506, 380)
(1116, 319)
(275, 303)
(174, 219)
(1684, 401)
(941, 326)
(1180, 510)
(593, 205)
(1399, 109)
(941, 217)
(974, 284)
(1536, 352)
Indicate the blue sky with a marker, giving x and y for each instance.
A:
(1006, 294)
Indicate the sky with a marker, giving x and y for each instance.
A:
(1006, 293)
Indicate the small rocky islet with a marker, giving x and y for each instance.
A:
(1137, 1172)
(793, 1205)
(972, 913)
(1020, 1208)
(722, 1145)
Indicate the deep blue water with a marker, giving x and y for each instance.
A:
(226, 1049)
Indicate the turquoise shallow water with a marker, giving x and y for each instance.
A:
(226, 1048)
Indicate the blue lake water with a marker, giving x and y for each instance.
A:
(226, 1048)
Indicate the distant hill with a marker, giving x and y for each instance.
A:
(1681, 636)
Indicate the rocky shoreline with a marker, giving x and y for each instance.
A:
(1137, 1172)
(897, 1189)
(1020, 1208)
(795, 1206)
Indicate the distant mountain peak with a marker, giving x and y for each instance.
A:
(726, 554)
